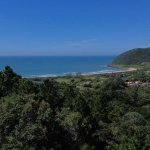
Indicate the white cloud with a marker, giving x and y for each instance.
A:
(88, 40)
(82, 42)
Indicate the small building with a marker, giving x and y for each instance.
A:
(87, 84)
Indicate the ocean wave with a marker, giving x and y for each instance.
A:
(102, 65)
(74, 73)
(102, 71)
(44, 75)
(71, 73)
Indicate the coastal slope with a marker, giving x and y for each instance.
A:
(133, 57)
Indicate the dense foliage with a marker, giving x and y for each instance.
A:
(53, 115)
(134, 56)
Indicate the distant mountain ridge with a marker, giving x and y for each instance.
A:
(135, 56)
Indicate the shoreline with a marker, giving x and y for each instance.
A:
(118, 71)
(87, 74)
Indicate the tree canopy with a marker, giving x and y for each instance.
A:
(54, 116)
(134, 56)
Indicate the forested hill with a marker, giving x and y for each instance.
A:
(52, 115)
(134, 56)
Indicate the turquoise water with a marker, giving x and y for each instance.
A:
(42, 66)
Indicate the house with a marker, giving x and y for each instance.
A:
(87, 84)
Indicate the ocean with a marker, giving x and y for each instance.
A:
(48, 66)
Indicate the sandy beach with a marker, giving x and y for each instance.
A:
(125, 70)
(131, 69)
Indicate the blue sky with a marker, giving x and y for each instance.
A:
(73, 27)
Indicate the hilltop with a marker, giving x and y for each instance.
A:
(138, 56)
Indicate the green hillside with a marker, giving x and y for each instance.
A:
(135, 56)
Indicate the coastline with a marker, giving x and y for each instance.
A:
(88, 74)
(109, 72)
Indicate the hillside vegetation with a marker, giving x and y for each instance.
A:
(52, 115)
(138, 56)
